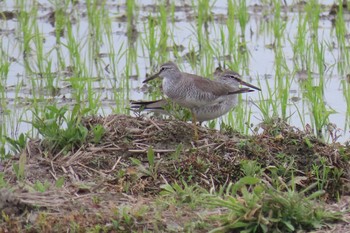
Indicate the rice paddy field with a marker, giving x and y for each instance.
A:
(75, 158)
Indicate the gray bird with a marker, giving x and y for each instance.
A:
(207, 99)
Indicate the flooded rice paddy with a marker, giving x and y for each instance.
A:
(95, 55)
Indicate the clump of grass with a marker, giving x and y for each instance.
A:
(319, 111)
(59, 131)
(17, 145)
(252, 206)
(182, 194)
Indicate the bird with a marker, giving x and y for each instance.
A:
(207, 99)
(162, 105)
(205, 113)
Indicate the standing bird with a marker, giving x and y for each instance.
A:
(207, 99)
(160, 106)
(207, 112)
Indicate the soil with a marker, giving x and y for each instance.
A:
(101, 177)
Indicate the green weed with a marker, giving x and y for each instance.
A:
(254, 207)
(3, 182)
(19, 168)
(59, 131)
(98, 132)
(41, 187)
(19, 144)
(153, 166)
(182, 194)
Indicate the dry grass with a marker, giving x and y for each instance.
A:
(101, 179)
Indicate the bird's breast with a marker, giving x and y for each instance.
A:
(174, 89)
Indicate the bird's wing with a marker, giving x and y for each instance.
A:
(210, 87)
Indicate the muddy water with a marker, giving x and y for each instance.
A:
(117, 79)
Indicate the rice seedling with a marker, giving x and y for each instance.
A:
(268, 104)
(204, 17)
(231, 28)
(341, 32)
(130, 11)
(346, 94)
(299, 47)
(319, 112)
(313, 12)
(242, 15)
(150, 41)
(95, 12)
(282, 83)
(4, 73)
(240, 117)
(163, 35)
(278, 24)
(26, 29)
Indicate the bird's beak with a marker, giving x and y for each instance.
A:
(248, 84)
(241, 90)
(151, 78)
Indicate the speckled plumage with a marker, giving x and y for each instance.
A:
(189, 90)
(207, 99)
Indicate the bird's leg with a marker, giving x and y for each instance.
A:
(194, 122)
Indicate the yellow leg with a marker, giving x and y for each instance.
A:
(194, 122)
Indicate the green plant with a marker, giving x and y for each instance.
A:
(98, 132)
(59, 131)
(322, 173)
(177, 152)
(126, 216)
(182, 194)
(319, 111)
(96, 200)
(253, 206)
(3, 182)
(17, 145)
(251, 168)
(41, 187)
(242, 15)
(153, 166)
(60, 182)
(19, 168)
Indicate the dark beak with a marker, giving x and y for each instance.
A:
(247, 84)
(240, 91)
(151, 78)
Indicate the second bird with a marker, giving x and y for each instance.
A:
(207, 99)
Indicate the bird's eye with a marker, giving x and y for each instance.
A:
(234, 77)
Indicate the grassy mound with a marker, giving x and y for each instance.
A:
(148, 174)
